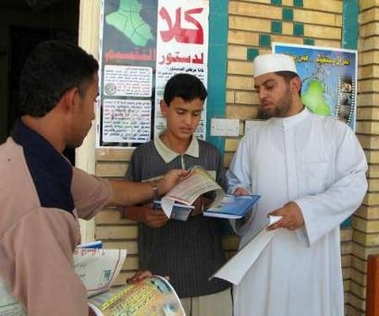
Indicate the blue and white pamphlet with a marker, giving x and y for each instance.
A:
(232, 206)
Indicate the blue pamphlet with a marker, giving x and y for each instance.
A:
(98, 244)
(232, 206)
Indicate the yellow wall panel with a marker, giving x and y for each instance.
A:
(334, 6)
(116, 232)
(369, 142)
(372, 198)
(369, 29)
(239, 82)
(287, 39)
(111, 169)
(367, 4)
(242, 37)
(255, 10)
(367, 58)
(324, 32)
(242, 112)
(369, 15)
(287, 28)
(328, 43)
(240, 67)
(237, 52)
(231, 144)
(246, 97)
(371, 85)
(318, 18)
(230, 97)
(369, 43)
(369, 70)
(249, 24)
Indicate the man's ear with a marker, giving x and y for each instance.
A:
(164, 107)
(69, 98)
(295, 85)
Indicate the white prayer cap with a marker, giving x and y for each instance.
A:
(264, 64)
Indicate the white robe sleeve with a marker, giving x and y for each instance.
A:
(325, 211)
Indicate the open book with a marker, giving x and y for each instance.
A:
(97, 269)
(234, 270)
(177, 203)
(9, 306)
(232, 206)
(198, 182)
(153, 296)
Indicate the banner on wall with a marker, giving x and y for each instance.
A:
(329, 78)
(182, 46)
(142, 44)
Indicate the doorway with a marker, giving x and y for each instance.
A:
(25, 24)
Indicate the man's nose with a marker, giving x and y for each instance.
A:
(262, 94)
(188, 119)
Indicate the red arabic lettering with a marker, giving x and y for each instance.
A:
(150, 55)
(170, 58)
(182, 35)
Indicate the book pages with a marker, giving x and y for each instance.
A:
(98, 268)
(197, 183)
(153, 296)
(9, 306)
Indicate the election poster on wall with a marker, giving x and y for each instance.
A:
(143, 43)
(329, 79)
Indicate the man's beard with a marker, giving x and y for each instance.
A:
(280, 109)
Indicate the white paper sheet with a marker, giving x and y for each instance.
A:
(234, 270)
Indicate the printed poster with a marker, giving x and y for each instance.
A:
(182, 46)
(329, 79)
(142, 44)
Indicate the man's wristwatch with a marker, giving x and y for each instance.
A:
(154, 186)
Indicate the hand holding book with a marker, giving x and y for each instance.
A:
(98, 268)
(232, 206)
(188, 198)
(201, 204)
(194, 185)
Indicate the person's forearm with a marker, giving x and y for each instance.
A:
(130, 193)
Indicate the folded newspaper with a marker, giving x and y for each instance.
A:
(198, 182)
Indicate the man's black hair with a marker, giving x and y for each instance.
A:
(185, 86)
(51, 69)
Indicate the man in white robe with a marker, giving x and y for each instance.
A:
(310, 170)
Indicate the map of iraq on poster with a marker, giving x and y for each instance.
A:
(329, 78)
